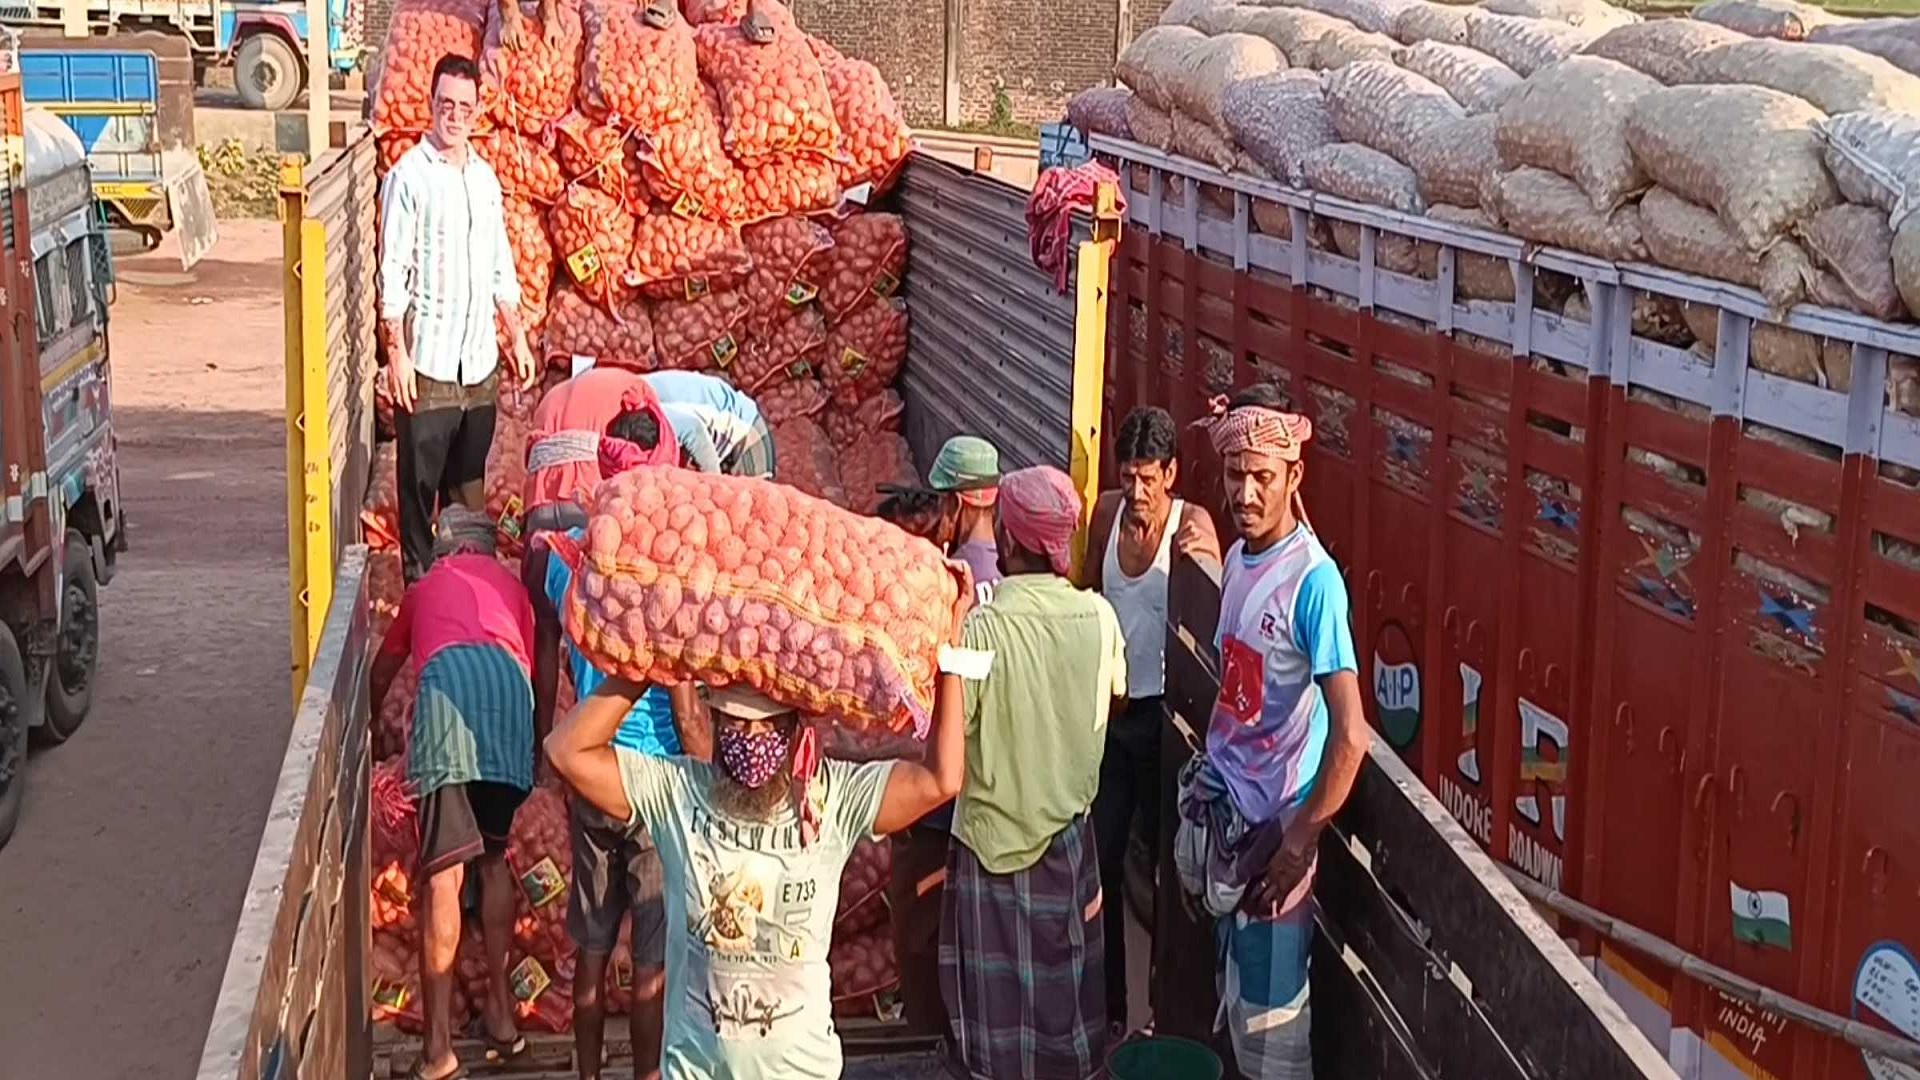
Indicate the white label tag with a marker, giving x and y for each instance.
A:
(971, 664)
(582, 363)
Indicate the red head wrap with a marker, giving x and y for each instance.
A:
(1040, 510)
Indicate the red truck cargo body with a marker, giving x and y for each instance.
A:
(26, 528)
(1644, 622)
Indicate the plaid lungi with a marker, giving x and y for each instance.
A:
(473, 720)
(1263, 993)
(754, 456)
(1022, 963)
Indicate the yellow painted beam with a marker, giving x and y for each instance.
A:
(1093, 260)
(316, 428)
(293, 210)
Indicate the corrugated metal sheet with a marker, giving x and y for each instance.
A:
(990, 341)
(342, 193)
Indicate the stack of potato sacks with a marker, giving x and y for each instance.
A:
(1763, 142)
(676, 199)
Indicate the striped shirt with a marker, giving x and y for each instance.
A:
(727, 415)
(445, 262)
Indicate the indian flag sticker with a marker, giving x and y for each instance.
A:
(1761, 918)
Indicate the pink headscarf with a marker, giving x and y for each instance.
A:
(1040, 510)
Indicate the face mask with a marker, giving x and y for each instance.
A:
(751, 760)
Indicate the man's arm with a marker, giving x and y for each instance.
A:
(696, 442)
(546, 639)
(391, 657)
(690, 722)
(397, 256)
(1106, 511)
(581, 747)
(914, 788)
(1197, 538)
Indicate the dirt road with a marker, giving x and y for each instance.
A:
(119, 892)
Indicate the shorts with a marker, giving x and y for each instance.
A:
(461, 822)
(616, 870)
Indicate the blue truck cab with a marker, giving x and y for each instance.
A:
(146, 179)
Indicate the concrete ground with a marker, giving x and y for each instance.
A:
(119, 891)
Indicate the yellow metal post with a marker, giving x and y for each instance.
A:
(1092, 262)
(316, 428)
(293, 210)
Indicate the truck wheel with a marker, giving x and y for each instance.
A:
(266, 73)
(76, 657)
(14, 717)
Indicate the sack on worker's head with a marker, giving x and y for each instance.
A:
(1787, 20)
(1547, 208)
(728, 580)
(1833, 78)
(773, 97)
(1661, 48)
(1751, 154)
(1477, 81)
(1279, 119)
(1571, 117)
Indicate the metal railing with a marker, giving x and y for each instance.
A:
(327, 212)
(293, 1001)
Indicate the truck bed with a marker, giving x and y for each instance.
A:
(874, 1052)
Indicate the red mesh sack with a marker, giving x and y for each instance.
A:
(781, 400)
(526, 169)
(393, 724)
(864, 969)
(869, 255)
(803, 459)
(633, 74)
(685, 257)
(701, 334)
(507, 466)
(621, 336)
(865, 352)
(773, 97)
(386, 584)
(542, 993)
(593, 153)
(419, 34)
(729, 580)
(847, 425)
(380, 510)
(825, 53)
(540, 853)
(688, 170)
(790, 184)
(786, 350)
(879, 460)
(529, 88)
(874, 139)
(863, 883)
(784, 252)
(593, 236)
(701, 12)
(393, 975)
(391, 148)
(532, 255)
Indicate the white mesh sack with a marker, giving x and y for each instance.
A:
(1475, 80)
(1875, 158)
(1834, 78)
(1523, 44)
(1389, 108)
(1662, 48)
(1279, 119)
(1571, 117)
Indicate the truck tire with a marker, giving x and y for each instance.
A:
(76, 657)
(267, 73)
(14, 717)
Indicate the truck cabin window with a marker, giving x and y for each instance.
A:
(79, 285)
(46, 311)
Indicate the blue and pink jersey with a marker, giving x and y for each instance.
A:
(1283, 625)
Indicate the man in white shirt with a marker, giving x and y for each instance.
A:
(446, 273)
(1135, 534)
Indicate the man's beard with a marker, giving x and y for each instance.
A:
(736, 800)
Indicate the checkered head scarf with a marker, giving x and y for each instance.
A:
(1040, 511)
(1255, 429)
(460, 529)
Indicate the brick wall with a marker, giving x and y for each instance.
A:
(903, 38)
(1036, 54)
(379, 14)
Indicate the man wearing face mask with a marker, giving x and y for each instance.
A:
(1021, 942)
(752, 846)
(1284, 744)
(1136, 532)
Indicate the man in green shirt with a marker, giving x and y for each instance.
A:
(1021, 942)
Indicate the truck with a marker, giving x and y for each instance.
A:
(1431, 961)
(62, 528)
(264, 41)
(130, 100)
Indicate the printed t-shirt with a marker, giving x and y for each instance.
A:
(749, 919)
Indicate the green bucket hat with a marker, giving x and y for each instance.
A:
(965, 463)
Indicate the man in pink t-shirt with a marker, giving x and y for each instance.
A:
(467, 626)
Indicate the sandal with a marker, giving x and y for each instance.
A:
(500, 1052)
(419, 1072)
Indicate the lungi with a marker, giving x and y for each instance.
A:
(1263, 993)
(1022, 963)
